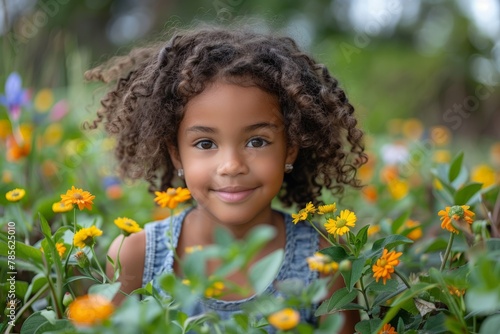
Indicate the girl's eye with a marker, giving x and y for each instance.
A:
(257, 142)
(205, 145)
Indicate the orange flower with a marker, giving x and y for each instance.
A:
(172, 197)
(79, 197)
(388, 329)
(369, 193)
(416, 232)
(90, 310)
(455, 291)
(285, 319)
(15, 150)
(457, 213)
(385, 265)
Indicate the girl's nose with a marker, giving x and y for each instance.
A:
(232, 163)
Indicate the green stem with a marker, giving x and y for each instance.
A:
(447, 252)
(28, 304)
(321, 233)
(103, 274)
(118, 265)
(171, 231)
(403, 278)
(365, 297)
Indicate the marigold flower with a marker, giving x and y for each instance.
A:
(172, 197)
(285, 319)
(416, 233)
(342, 224)
(90, 310)
(61, 249)
(455, 291)
(301, 216)
(85, 236)
(127, 225)
(385, 265)
(60, 207)
(79, 197)
(15, 195)
(214, 290)
(388, 329)
(369, 193)
(328, 208)
(322, 263)
(17, 148)
(456, 213)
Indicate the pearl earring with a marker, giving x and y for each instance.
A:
(288, 168)
(180, 172)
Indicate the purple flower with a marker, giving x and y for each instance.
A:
(15, 96)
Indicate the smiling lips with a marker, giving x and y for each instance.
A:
(233, 194)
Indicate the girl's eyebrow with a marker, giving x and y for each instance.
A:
(250, 128)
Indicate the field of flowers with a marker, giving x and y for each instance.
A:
(420, 249)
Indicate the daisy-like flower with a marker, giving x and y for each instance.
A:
(342, 224)
(127, 225)
(79, 197)
(172, 197)
(328, 208)
(455, 291)
(309, 208)
(455, 213)
(388, 329)
(285, 319)
(322, 263)
(301, 216)
(214, 290)
(385, 265)
(90, 310)
(15, 195)
(85, 236)
(61, 249)
(60, 207)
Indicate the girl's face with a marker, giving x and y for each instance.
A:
(232, 147)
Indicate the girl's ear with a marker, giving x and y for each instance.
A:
(291, 154)
(174, 155)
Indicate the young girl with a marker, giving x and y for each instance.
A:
(241, 118)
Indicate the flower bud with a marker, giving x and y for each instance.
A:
(345, 265)
(82, 259)
(67, 299)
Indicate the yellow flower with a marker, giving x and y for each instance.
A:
(301, 216)
(441, 156)
(79, 197)
(52, 134)
(398, 188)
(15, 195)
(309, 208)
(455, 291)
(192, 249)
(373, 229)
(341, 225)
(437, 184)
(214, 290)
(60, 207)
(388, 329)
(484, 174)
(416, 233)
(172, 197)
(90, 310)
(456, 213)
(85, 236)
(384, 266)
(413, 128)
(44, 100)
(61, 249)
(127, 225)
(328, 208)
(285, 319)
(322, 263)
(440, 135)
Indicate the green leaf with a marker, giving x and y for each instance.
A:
(353, 275)
(337, 301)
(455, 167)
(362, 237)
(223, 237)
(467, 194)
(490, 325)
(32, 323)
(257, 238)
(368, 326)
(388, 242)
(106, 290)
(390, 285)
(36, 284)
(262, 273)
(58, 325)
(337, 253)
(398, 222)
(45, 227)
(25, 253)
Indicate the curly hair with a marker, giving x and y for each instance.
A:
(153, 85)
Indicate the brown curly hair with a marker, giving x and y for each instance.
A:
(153, 85)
